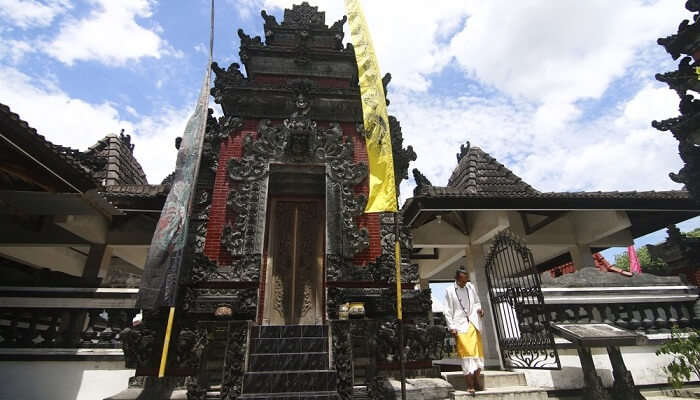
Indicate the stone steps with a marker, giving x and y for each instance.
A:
(505, 393)
(489, 379)
(289, 362)
(498, 385)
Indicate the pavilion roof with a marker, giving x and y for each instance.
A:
(479, 173)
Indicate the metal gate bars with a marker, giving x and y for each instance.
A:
(522, 323)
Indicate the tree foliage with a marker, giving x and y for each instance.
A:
(686, 353)
(647, 263)
(695, 233)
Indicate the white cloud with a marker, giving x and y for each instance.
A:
(155, 141)
(32, 13)
(407, 38)
(110, 35)
(618, 150)
(558, 51)
(13, 51)
(76, 123)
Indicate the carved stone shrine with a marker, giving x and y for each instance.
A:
(278, 239)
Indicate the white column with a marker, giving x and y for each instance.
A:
(475, 266)
(582, 257)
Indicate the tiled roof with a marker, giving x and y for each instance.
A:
(480, 176)
(38, 147)
(117, 164)
(435, 191)
(478, 172)
(140, 191)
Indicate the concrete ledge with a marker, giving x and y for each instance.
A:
(60, 354)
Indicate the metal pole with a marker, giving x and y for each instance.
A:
(399, 311)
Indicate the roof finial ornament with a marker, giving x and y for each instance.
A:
(463, 151)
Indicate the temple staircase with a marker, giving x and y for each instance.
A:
(498, 385)
(290, 361)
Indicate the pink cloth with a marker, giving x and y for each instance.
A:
(635, 268)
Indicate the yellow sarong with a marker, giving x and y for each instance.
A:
(469, 344)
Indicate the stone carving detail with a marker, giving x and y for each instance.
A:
(297, 140)
(200, 220)
(277, 294)
(191, 344)
(270, 25)
(137, 344)
(388, 235)
(354, 240)
(226, 79)
(423, 341)
(243, 269)
(239, 238)
(421, 181)
(342, 357)
(195, 391)
(685, 41)
(303, 16)
(234, 358)
(206, 300)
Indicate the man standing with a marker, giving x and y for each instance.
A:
(463, 317)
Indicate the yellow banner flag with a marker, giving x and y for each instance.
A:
(382, 187)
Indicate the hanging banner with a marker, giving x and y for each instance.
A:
(161, 273)
(382, 186)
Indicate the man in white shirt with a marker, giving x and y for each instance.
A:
(463, 317)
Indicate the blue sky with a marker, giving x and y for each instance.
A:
(561, 92)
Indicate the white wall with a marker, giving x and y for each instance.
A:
(62, 380)
(646, 368)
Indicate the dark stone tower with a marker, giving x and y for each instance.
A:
(278, 237)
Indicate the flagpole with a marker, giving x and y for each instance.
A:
(382, 195)
(171, 314)
(399, 305)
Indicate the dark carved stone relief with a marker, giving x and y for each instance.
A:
(137, 344)
(382, 270)
(342, 357)
(191, 343)
(243, 302)
(423, 341)
(297, 140)
(234, 359)
(380, 302)
(402, 156)
(225, 79)
(685, 41)
(140, 342)
(421, 182)
(303, 16)
(241, 237)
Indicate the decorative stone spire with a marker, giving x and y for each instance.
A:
(685, 127)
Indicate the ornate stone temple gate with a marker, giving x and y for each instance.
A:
(525, 336)
(278, 237)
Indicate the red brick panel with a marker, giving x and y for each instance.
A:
(218, 215)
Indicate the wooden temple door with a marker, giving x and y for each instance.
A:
(294, 282)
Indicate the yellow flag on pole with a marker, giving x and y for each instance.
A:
(382, 187)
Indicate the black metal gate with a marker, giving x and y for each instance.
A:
(522, 323)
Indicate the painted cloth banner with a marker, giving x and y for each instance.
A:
(382, 187)
(635, 268)
(161, 274)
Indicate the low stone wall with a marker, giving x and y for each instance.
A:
(69, 380)
(646, 368)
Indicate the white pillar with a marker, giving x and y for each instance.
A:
(475, 266)
(582, 257)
